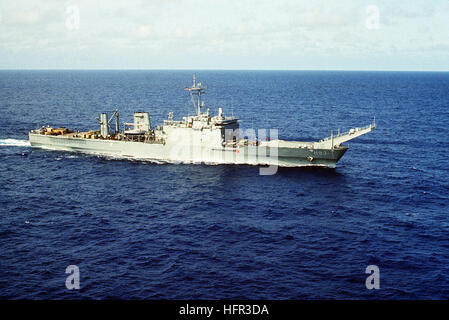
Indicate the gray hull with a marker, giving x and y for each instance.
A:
(181, 153)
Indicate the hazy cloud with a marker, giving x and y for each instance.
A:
(221, 34)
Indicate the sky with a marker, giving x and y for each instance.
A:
(225, 34)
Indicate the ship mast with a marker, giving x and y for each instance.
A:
(197, 89)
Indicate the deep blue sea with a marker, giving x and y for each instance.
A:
(142, 230)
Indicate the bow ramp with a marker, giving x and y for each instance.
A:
(336, 141)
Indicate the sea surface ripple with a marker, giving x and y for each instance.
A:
(142, 230)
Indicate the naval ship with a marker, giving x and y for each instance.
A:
(200, 138)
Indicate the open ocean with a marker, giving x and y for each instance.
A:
(142, 230)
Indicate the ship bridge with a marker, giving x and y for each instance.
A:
(202, 128)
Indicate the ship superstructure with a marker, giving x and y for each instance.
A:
(200, 138)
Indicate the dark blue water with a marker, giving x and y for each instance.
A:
(149, 231)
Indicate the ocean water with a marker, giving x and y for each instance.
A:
(142, 230)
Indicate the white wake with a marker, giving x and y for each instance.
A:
(14, 143)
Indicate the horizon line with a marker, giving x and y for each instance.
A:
(216, 69)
